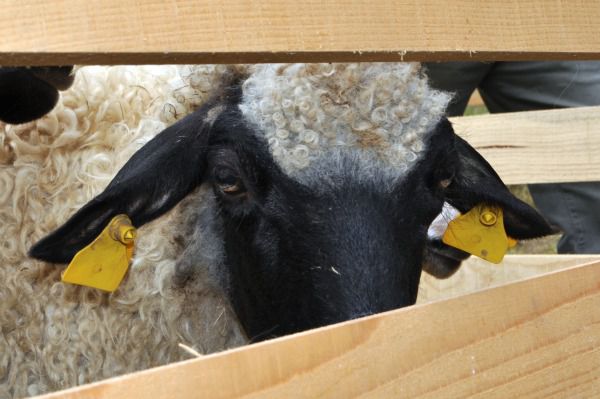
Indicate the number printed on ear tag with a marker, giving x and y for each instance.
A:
(103, 263)
(480, 232)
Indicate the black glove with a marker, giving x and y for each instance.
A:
(27, 94)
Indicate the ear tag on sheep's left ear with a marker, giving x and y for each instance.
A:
(103, 263)
(480, 232)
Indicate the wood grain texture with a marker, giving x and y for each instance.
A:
(537, 338)
(249, 31)
(476, 274)
(538, 146)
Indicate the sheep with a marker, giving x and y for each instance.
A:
(320, 184)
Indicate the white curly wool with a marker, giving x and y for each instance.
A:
(380, 111)
(54, 335)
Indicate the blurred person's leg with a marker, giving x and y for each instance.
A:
(460, 78)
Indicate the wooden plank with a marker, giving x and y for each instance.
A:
(37, 32)
(476, 274)
(537, 338)
(538, 146)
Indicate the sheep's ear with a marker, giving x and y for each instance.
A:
(475, 182)
(27, 94)
(154, 180)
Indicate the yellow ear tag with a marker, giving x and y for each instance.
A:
(103, 263)
(480, 232)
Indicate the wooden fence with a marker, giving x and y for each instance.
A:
(534, 338)
(247, 31)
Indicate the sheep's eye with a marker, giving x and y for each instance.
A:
(445, 181)
(229, 182)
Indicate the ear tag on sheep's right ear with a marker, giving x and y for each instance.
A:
(103, 263)
(480, 232)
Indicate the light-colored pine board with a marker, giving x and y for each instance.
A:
(537, 338)
(538, 146)
(476, 274)
(248, 31)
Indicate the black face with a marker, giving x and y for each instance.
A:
(337, 246)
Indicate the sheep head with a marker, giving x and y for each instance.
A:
(325, 179)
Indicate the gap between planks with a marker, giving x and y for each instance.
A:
(476, 274)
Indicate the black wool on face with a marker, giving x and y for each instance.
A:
(306, 254)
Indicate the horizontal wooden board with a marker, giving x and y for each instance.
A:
(538, 338)
(476, 274)
(538, 146)
(249, 31)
